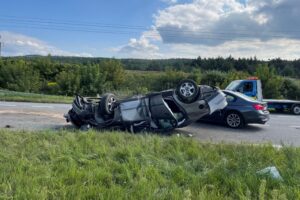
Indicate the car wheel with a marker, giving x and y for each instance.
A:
(234, 120)
(107, 104)
(296, 109)
(187, 91)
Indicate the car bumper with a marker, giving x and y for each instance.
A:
(257, 117)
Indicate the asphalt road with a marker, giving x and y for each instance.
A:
(32, 116)
(281, 129)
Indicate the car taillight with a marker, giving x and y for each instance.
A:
(258, 107)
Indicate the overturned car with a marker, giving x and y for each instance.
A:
(159, 111)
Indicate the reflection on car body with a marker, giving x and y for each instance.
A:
(159, 111)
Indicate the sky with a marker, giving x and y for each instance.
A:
(151, 29)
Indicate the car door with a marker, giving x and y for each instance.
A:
(218, 115)
(231, 104)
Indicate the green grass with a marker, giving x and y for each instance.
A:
(6, 95)
(113, 165)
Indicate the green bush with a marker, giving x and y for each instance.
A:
(271, 83)
(19, 77)
(68, 76)
(290, 89)
(213, 78)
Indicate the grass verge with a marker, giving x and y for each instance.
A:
(6, 95)
(113, 165)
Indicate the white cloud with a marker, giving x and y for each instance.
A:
(228, 20)
(152, 35)
(209, 28)
(17, 45)
(169, 1)
(138, 48)
(261, 49)
(142, 47)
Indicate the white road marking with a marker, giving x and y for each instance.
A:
(53, 115)
(42, 106)
(297, 127)
(8, 105)
(281, 116)
(262, 124)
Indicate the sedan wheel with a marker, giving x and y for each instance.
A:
(234, 120)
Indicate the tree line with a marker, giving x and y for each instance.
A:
(92, 76)
(290, 68)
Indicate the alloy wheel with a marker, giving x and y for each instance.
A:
(187, 89)
(110, 103)
(233, 120)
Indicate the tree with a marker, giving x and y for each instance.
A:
(170, 79)
(68, 82)
(114, 72)
(18, 76)
(271, 83)
(213, 78)
(290, 89)
(195, 75)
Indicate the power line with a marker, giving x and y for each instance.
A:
(167, 34)
(97, 24)
(51, 22)
(68, 22)
(129, 29)
(191, 35)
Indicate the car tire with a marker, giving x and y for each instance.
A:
(234, 120)
(106, 105)
(187, 91)
(296, 109)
